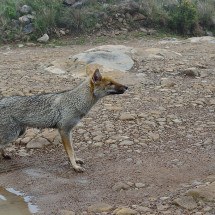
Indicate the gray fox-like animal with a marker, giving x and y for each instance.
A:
(61, 110)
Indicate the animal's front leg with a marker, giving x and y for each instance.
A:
(79, 161)
(66, 139)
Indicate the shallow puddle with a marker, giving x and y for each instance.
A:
(13, 202)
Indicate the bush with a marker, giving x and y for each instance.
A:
(184, 17)
(76, 19)
(46, 14)
(181, 16)
(8, 9)
(206, 12)
(153, 10)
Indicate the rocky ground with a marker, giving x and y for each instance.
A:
(149, 151)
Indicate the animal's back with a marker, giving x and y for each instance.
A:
(33, 111)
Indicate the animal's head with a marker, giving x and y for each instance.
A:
(103, 86)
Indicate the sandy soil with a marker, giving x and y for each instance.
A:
(171, 135)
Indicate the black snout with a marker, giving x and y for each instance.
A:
(122, 89)
(118, 90)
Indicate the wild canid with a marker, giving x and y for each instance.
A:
(61, 110)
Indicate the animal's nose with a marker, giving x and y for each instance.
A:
(125, 87)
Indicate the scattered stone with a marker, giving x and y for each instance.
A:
(126, 143)
(62, 32)
(142, 209)
(177, 121)
(204, 74)
(127, 116)
(37, 143)
(186, 202)
(161, 207)
(206, 193)
(129, 159)
(98, 144)
(210, 178)
(43, 39)
(143, 144)
(151, 31)
(140, 185)
(169, 69)
(144, 30)
(120, 186)
(154, 136)
(164, 198)
(31, 44)
(168, 83)
(66, 212)
(20, 45)
(98, 138)
(99, 208)
(22, 153)
(124, 211)
(55, 70)
(212, 102)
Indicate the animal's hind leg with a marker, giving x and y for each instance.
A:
(9, 134)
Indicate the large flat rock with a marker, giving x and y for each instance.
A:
(110, 56)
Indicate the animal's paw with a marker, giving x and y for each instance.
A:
(79, 161)
(78, 168)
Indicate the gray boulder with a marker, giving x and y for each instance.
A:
(109, 56)
(27, 29)
(24, 20)
(25, 9)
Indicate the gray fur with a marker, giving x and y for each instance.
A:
(59, 110)
(54, 110)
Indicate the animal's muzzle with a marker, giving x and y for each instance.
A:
(122, 89)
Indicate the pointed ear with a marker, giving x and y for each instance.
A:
(96, 76)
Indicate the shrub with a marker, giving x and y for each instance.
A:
(46, 14)
(206, 12)
(181, 16)
(76, 19)
(154, 12)
(184, 17)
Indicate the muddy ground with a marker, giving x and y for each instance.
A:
(163, 147)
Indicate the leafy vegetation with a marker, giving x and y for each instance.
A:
(184, 17)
